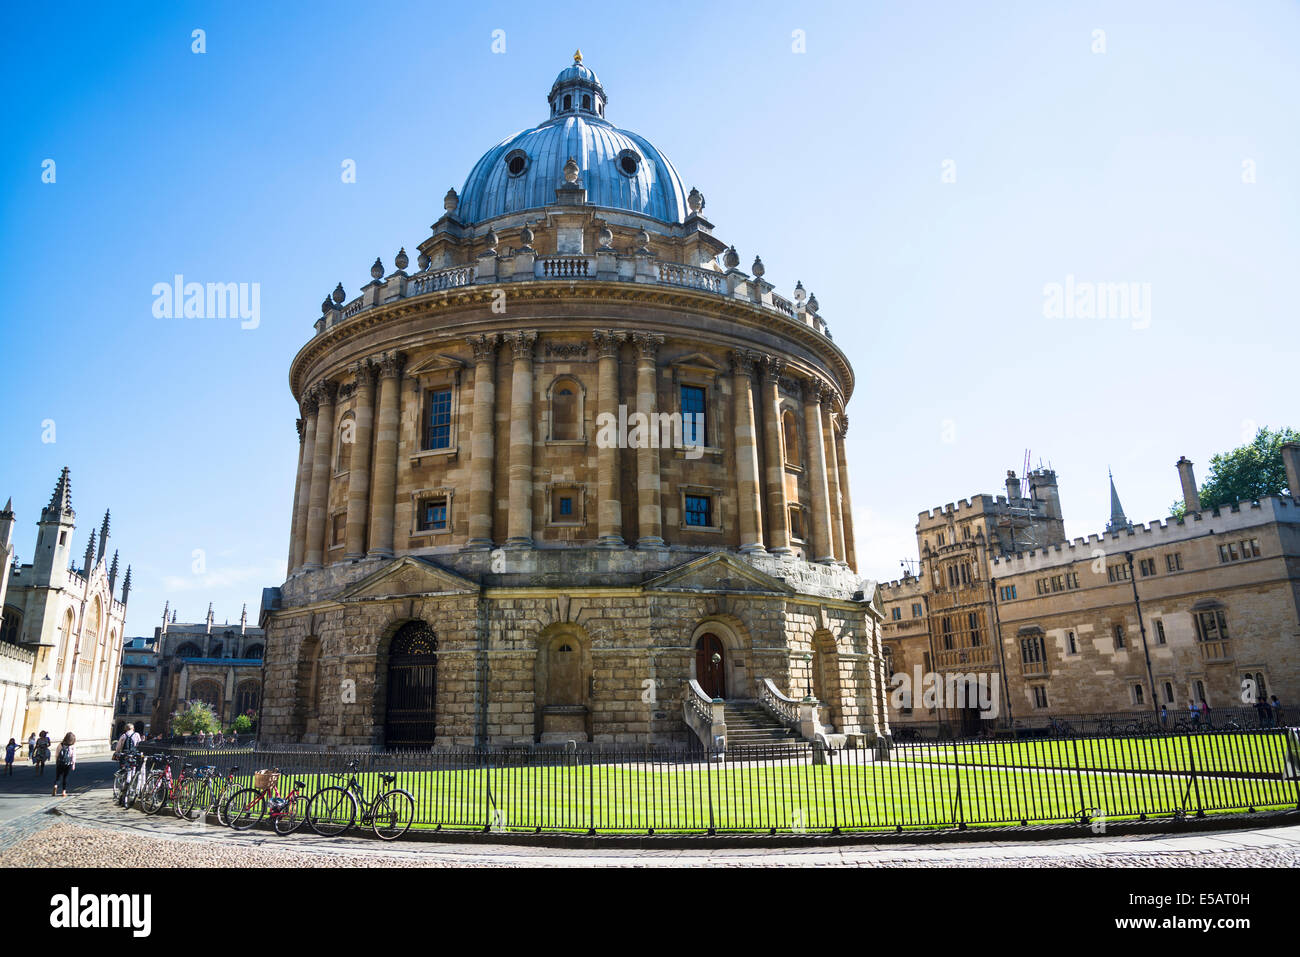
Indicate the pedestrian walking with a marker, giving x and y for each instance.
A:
(1164, 715)
(31, 747)
(1277, 711)
(11, 749)
(65, 762)
(42, 753)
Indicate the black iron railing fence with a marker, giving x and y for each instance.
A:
(809, 789)
(1087, 725)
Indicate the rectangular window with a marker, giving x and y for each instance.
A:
(973, 623)
(1042, 586)
(1174, 562)
(1040, 696)
(699, 511)
(1072, 643)
(1147, 566)
(338, 528)
(1211, 625)
(1117, 573)
(897, 613)
(433, 515)
(1032, 650)
(796, 522)
(566, 505)
(1250, 548)
(916, 609)
(1119, 637)
(437, 432)
(1008, 592)
(694, 429)
(947, 634)
(1139, 695)
(1058, 583)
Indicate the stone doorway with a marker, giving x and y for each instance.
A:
(410, 718)
(711, 665)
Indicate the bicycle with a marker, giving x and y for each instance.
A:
(128, 765)
(248, 806)
(143, 770)
(206, 793)
(163, 786)
(334, 809)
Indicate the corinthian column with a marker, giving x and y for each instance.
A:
(384, 496)
(318, 503)
(359, 464)
(818, 485)
(519, 525)
(649, 513)
(846, 506)
(778, 515)
(609, 508)
(833, 480)
(302, 487)
(482, 448)
(749, 497)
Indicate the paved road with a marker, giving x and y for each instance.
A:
(89, 830)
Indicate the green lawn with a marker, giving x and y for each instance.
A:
(848, 794)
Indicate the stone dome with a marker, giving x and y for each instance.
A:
(619, 169)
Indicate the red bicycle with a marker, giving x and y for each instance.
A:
(162, 786)
(248, 806)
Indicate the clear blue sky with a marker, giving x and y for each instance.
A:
(1122, 166)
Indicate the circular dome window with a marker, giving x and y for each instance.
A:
(629, 163)
(516, 162)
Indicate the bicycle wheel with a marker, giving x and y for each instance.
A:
(154, 795)
(392, 814)
(221, 802)
(245, 808)
(292, 816)
(119, 786)
(192, 801)
(332, 811)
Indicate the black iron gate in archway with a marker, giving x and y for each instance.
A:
(410, 716)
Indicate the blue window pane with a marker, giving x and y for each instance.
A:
(693, 421)
(438, 426)
(698, 508)
(566, 506)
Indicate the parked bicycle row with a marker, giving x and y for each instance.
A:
(152, 782)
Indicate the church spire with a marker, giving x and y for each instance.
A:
(126, 584)
(112, 573)
(90, 554)
(103, 539)
(61, 501)
(1118, 521)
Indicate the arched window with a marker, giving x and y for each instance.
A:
(11, 627)
(568, 102)
(790, 433)
(346, 439)
(189, 650)
(254, 651)
(209, 692)
(586, 101)
(216, 651)
(1200, 691)
(248, 697)
(566, 410)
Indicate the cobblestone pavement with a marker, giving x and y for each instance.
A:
(90, 831)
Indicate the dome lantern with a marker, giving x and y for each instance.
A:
(577, 90)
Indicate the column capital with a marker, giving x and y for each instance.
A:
(844, 424)
(744, 362)
(484, 346)
(391, 364)
(298, 424)
(608, 342)
(648, 344)
(326, 392)
(366, 372)
(310, 403)
(522, 344)
(773, 366)
(817, 390)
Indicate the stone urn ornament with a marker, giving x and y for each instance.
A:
(571, 171)
(451, 201)
(377, 270)
(401, 260)
(339, 294)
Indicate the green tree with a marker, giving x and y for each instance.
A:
(1248, 472)
(243, 724)
(197, 716)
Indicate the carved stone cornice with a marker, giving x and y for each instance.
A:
(484, 346)
(773, 366)
(608, 342)
(299, 425)
(522, 344)
(844, 424)
(391, 364)
(647, 344)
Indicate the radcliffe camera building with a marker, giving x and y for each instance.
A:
(486, 545)
(1197, 609)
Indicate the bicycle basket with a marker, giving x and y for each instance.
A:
(265, 779)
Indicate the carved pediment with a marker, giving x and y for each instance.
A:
(407, 577)
(697, 361)
(435, 364)
(720, 570)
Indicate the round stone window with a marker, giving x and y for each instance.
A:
(629, 163)
(516, 162)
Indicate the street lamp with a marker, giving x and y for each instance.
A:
(807, 659)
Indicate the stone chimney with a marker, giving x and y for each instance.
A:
(1013, 486)
(1291, 462)
(1191, 497)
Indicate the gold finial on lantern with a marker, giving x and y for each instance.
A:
(577, 56)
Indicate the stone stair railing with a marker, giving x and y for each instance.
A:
(800, 716)
(706, 717)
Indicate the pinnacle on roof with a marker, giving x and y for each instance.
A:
(126, 584)
(61, 500)
(103, 539)
(90, 553)
(1118, 521)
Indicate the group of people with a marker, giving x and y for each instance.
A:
(1269, 711)
(38, 752)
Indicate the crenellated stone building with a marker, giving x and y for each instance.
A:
(1202, 608)
(60, 630)
(576, 462)
(203, 661)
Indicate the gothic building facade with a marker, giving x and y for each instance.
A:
(579, 477)
(61, 629)
(220, 665)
